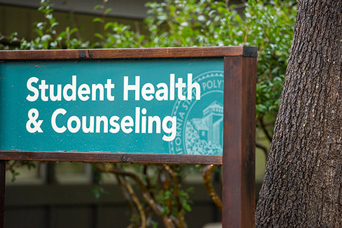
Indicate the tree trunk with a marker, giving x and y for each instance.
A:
(303, 180)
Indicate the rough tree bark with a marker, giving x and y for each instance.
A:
(303, 180)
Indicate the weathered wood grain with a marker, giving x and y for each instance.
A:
(239, 142)
(2, 191)
(129, 53)
(110, 157)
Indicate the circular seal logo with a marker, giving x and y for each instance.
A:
(200, 122)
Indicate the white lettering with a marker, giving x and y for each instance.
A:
(94, 88)
(71, 87)
(32, 89)
(127, 124)
(109, 86)
(83, 90)
(180, 85)
(169, 130)
(135, 87)
(146, 91)
(78, 124)
(196, 86)
(53, 120)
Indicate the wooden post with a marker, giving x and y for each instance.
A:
(2, 191)
(239, 142)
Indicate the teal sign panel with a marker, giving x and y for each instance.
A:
(166, 106)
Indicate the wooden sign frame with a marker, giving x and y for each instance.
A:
(238, 159)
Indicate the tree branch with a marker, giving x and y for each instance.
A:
(137, 202)
(206, 174)
(126, 195)
(10, 166)
(180, 214)
(263, 148)
(158, 209)
(264, 129)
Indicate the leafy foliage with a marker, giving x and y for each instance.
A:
(268, 26)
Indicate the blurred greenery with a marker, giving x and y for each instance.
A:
(267, 25)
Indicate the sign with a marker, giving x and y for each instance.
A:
(158, 105)
(172, 106)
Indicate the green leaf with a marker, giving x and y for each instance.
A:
(73, 31)
(97, 7)
(97, 20)
(99, 35)
(261, 108)
(46, 37)
(187, 207)
(39, 32)
(108, 24)
(107, 11)
(54, 24)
